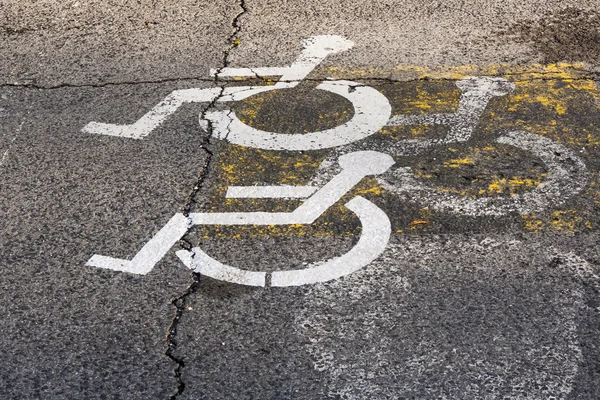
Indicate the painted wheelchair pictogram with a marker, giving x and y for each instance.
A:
(374, 237)
(349, 162)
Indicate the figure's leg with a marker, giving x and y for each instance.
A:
(151, 253)
(153, 118)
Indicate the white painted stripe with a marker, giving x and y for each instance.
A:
(376, 230)
(246, 218)
(355, 166)
(249, 72)
(567, 176)
(315, 50)
(270, 192)
(238, 93)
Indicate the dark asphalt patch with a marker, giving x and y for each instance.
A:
(571, 34)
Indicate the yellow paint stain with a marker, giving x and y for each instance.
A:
(459, 162)
(374, 190)
(563, 71)
(307, 163)
(532, 223)
(544, 102)
(406, 132)
(497, 186)
(511, 185)
(553, 99)
(422, 174)
(565, 220)
(417, 222)
(559, 105)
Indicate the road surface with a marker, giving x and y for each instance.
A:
(275, 200)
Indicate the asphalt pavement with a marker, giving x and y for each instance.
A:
(283, 200)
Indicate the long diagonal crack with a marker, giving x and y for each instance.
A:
(180, 302)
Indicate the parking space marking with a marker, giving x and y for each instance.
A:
(486, 108)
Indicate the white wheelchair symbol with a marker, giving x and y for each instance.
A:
(374, 237)
(351, 160)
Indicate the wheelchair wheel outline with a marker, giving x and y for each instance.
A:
(567, 176)
(374, 237)
(372, 112)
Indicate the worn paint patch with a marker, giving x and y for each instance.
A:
(557, 101)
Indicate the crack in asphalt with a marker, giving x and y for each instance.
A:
(180, 302)
(103, 85)
(540, 76)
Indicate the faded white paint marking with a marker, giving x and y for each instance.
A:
(567, 176)
(403, 348)
(476, 92)
(578, 266)
(10, 145)
(371, 113)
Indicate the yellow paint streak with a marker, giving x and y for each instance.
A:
(417, 222)
(408, 72)
(406, 132)
(565, 220)
(558, 105)
(459, 162)
(498, 186)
